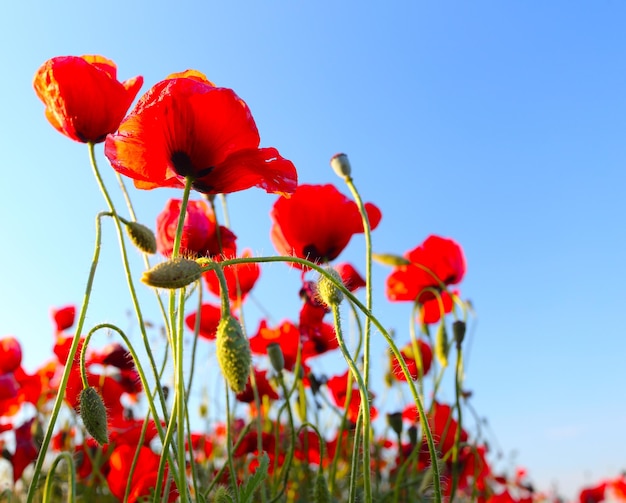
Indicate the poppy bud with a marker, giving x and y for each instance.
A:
(233, 353)
(94, 415)
(394, 420)
(341, 165)
(442, 346)
(142, 237)
(222, 495)
(413, 435)
(321, 493)
(458, 329)
(277, 359)
(390, 259)
(328, 291)
(175, 273)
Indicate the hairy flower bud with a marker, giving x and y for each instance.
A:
(390, 259)
(93, 414)
(394, 420)
(442, 345)
(341, 165)
(321, 493)
(277, 359)
(142, 237)
(175, 273)
(232, 348)
(458, 329)
(328, 291)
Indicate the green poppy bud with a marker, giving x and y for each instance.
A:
(93, 414)
(173, 274)
(327, 290)
(232, 348)
(142, 237)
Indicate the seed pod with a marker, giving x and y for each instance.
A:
(328, 291)
(173, 274)
(394, 420)
(94, 415)
(142, 237)
(341, 165)
(233, 353)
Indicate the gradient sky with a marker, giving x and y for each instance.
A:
(500, 124)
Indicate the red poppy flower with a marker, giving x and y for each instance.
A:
(437, 261)
(287, 335)
(83, 98)
(431, 310)
(338, 386)
(443, 426)
(10, 354)
(317, 223)
(593, 494)
(210, 317)
(143, 478)
(240, 279)
(426, 355)
(63, 317)
(26, 449)
(186, 127)
(200, 231)
(263, 386)
(350, 276)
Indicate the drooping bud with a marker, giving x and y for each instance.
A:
(458, 329)
(173, 274)
(277, 359)
(94, 415)
(232, 348)
(142, 237)
(327, 290)
(394, 420)
(341, 165)
(442, 345)
(390, 259)
(321, 493)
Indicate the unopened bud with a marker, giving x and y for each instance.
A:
(458, 329)
(390, 259)
(394, 420)
(341, 165)
(232, 348)
(277, 359)
(327, 290)
(175, 273)
(94, 415)
(142, 237)
(412, 431)
(321, 493)
(442, 346)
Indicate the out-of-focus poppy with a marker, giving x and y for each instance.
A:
(144, 477)
(350, 276)
(317, 222)
(411, 360)
(63, 317)
(186, 127)
(83, 98)
(287, 335)
(263, 386)
(338, 386)
(432, 310)
(240, 279)
(435, 263)
(10, 354)
(200, 231)
(210, 317)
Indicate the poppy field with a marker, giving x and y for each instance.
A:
(116, 423)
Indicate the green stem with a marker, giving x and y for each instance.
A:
(71, 474)
(392, 345)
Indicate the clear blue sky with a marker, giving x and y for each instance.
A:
(501, 124)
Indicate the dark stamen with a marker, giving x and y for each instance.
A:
(182, 164)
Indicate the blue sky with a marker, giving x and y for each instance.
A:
(500, 124)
